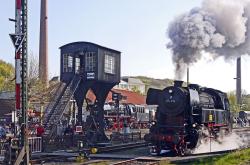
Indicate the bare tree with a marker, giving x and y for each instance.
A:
(33, 67)
(35, 86)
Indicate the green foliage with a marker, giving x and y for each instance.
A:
(245, 103)
(234, 107)
(235, 158)
(7, 75)
(245, 106)
(135, 89)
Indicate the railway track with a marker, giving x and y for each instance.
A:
(120, 147)
(106, 153)
(150, 160)
(139, 161)
(64, 156)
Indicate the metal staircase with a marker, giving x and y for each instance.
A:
(57, 95)
(59, 105)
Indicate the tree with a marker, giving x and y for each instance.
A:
(136, 89)
(245, 101)
(7, 76)
(233, 102)
(33, 67)
(245, 106)
(36, 88)
(38, 91)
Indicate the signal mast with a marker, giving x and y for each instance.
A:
(19, 40)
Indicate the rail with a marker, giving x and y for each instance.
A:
(138, 161)
(120, 147)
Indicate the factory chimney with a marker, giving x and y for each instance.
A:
(238, 81)
(43, 46)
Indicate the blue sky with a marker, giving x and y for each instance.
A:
(136, 28)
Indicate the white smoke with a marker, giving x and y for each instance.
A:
(220, 27)
(229, 142)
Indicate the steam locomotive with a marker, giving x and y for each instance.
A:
(185, 115)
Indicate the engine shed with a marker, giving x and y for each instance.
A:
(87, 66)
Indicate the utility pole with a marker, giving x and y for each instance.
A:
(19, 40)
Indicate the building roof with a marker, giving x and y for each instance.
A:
(89, 43)
(7, 106)
(7, 95)
(132, 97)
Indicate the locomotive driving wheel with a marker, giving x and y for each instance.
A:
(155, 150)
(181, 149)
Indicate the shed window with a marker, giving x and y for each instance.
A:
(90, 62)
(77, 65)
(70, 63)
(65, 62)
(109, 65)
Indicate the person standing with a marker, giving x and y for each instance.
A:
(39, 133)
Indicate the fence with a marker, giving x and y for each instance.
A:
(35, 144)
(128, 137)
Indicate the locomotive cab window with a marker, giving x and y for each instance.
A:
(109, 64)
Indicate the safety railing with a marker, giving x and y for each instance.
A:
(35, 144)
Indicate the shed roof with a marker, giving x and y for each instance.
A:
(132, 97)
(89, 43)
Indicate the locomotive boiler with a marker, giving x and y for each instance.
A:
(185, 115)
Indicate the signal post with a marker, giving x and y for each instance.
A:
(19, 39)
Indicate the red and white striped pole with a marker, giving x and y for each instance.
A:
(18, 60)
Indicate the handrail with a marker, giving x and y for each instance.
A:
(52, 101)
(55, 105)
(71, 95)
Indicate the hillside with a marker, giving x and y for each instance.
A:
(156, 83)
(7, 75)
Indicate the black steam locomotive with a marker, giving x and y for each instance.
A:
(185, 115)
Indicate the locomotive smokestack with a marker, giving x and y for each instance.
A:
(43, 47)
(238, 80)
(194, 86)
(178, 83)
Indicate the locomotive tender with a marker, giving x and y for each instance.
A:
(185, 115)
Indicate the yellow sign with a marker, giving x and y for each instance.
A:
(210, 117)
